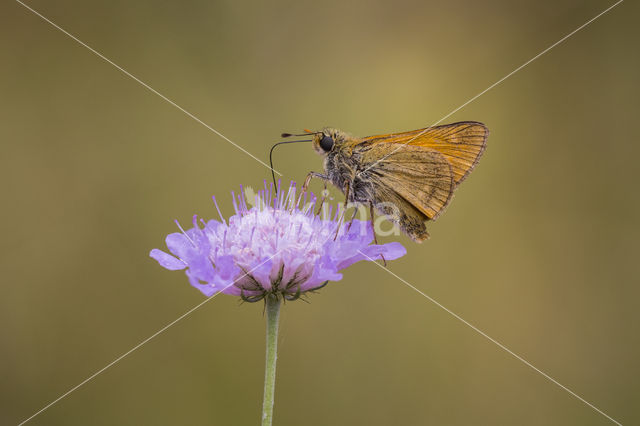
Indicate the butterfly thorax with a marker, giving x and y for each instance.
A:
(345, 166)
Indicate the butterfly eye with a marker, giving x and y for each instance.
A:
(326, 143)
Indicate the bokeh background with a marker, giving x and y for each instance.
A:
(539, 248)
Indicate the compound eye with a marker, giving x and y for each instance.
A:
(326, 143)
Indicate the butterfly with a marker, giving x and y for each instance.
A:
(409, 177)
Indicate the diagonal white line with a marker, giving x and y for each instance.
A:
(248, 153)
(494, 341)
(528, 62)
(117, 359)
(496, 83)
(145, 85)
(91, 377)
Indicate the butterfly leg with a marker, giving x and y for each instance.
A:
(307, 180)
(324, 197)
(375, 239)
(355, 212)
(346, 200)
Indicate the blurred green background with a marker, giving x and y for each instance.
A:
(539, 248)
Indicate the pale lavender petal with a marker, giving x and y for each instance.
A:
(231, 290)
(393, 251)
(227, 269)
(167, 261)
(179, 245)
(324, 270)
(201, 267)
(390, 251)
(360, 231)
(262, 271)
(205, 288)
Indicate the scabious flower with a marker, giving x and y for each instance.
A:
(274, 247)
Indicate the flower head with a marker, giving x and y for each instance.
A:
(272, 247)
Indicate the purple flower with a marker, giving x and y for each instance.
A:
(273, 247)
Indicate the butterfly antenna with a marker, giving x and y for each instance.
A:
(273, 172)
(307, 132)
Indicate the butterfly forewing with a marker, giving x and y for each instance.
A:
(461, 144)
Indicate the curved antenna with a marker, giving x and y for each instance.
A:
(273, 173)
(307, 132)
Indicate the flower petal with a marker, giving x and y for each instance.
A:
(261, 272)
(179, 245)
(226, 268)
(323, 270)
(394, 250)
(201, 267)
(390, 251)
(167, 261)
(205, 288)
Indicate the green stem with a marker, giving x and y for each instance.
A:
(273, 313)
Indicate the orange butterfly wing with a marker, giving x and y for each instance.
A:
(461, 143)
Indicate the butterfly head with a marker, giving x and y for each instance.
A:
(327, 139)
